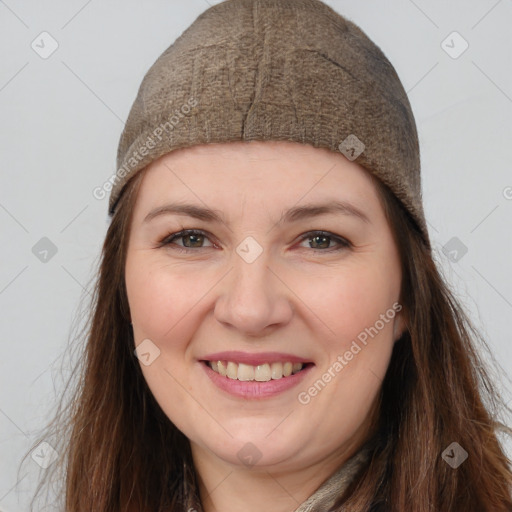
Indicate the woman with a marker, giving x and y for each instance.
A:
(269, 329)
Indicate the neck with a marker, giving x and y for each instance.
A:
(228, 488)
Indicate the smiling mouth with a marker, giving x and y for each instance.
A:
(260, 373)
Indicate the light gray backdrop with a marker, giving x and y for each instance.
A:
(68, 75)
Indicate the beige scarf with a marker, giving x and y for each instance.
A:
(327, 494)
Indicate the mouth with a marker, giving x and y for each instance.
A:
(255, 376)
(264, 372)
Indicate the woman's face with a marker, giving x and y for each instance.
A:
(293, 265)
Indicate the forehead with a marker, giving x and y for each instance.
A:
(260, 172)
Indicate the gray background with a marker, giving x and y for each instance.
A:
(61, 118)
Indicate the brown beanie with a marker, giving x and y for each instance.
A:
(290, 70)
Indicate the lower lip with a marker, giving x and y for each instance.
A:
(254, 389)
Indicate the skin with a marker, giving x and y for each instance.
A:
(300, 296)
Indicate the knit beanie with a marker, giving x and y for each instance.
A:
(292, 70)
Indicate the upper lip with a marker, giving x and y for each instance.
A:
(254, 359)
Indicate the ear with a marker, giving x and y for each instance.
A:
(399, 325)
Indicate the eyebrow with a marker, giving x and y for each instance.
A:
(292, 215)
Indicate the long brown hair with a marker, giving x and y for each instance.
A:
(119, 452)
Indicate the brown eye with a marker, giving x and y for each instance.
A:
(191, 239)
(321, 240)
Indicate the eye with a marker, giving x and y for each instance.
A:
(320, 239)
(192, 238)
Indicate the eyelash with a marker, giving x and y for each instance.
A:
(168, 240)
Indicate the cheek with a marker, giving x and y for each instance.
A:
(162, 302)
(352, 300)
(160, 297)
(356, 307)
(360, 308)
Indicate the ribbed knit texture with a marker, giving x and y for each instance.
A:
(292, 70)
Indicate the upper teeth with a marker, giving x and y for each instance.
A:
(261, 373)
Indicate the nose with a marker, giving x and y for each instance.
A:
(253, 298)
